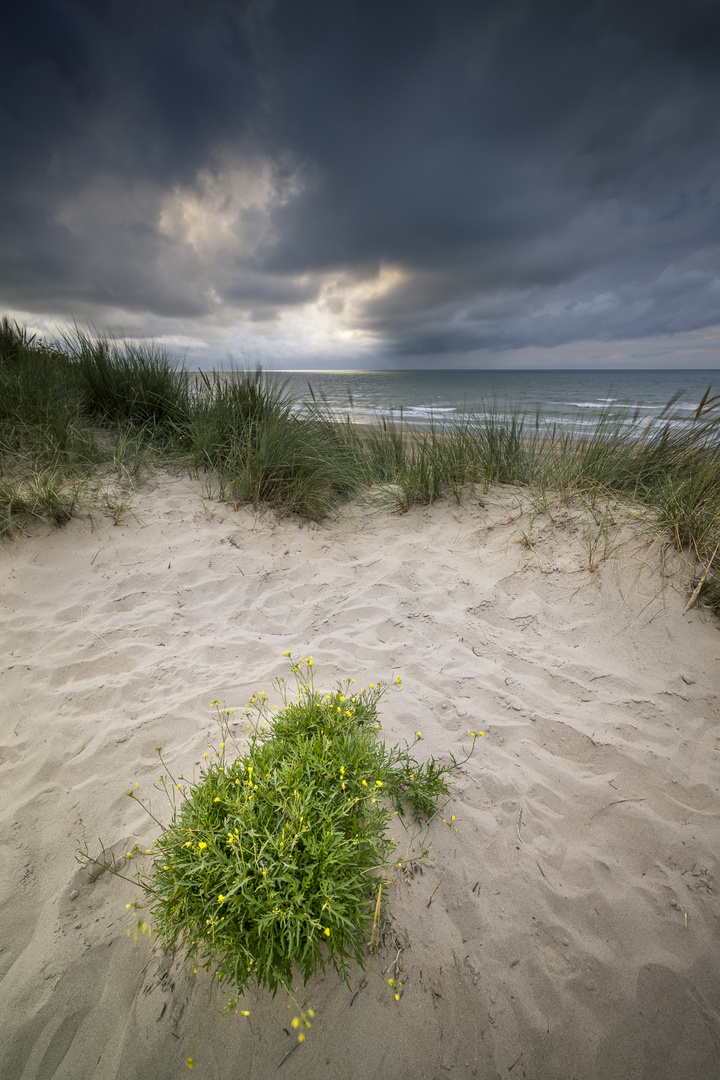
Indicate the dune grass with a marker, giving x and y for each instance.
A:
(87, 404)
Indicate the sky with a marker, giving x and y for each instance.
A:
(370, 183)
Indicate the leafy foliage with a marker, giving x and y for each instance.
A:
(273, 859)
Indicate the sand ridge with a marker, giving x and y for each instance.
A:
(573, 928)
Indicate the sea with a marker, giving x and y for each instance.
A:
(560, 400)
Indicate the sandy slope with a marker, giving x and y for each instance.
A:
(556, 945)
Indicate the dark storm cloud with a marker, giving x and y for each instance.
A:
(103, 107)
(536, 173)
(540, 154)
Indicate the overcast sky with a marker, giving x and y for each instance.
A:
(352, 183)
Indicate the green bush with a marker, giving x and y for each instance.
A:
(274, 859)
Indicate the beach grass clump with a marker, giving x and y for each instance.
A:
(128, 382)
(39, 406)
(274, 859)
(384, 450)
(230, 408)
(246, 428)
(44, 494)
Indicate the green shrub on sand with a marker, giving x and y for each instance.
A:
(273, 862)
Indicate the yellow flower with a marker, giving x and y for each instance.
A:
(216, 799)
(244, 1012)
(311, 1014)
(301, 1037)
(391, 981)
(397, 997)
(221, 898)
(327, 931)
(190, 1063)
(202, 845)
(364, 783)
(296, 1021)
(379, 783)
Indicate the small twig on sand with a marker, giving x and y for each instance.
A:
(286, 1055)
(517, 826)
(395, 962)
(616, 802)
(701, 582)
(435, 890)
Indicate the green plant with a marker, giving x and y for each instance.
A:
(246, 429)
(274, 859)
(128, 382)
(40, 493)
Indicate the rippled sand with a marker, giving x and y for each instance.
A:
(573, 928)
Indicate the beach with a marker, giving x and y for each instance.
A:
(566, 923)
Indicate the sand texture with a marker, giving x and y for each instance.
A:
(574, 924)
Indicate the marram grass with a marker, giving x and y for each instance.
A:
(69, 408)
(274, 860)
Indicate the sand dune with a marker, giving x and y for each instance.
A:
(574, 925)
